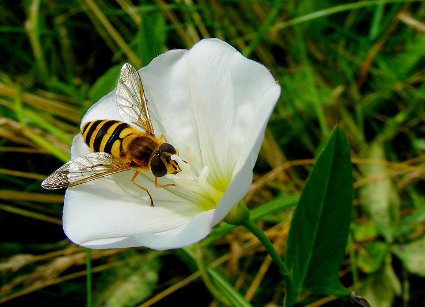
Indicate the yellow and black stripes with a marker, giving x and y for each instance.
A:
(100, 135)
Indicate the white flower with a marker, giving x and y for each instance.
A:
(213, 105)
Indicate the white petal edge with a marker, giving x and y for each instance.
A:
(183, 237)
(79, 147)
(120, 228)
(95, 218)
(232, 98)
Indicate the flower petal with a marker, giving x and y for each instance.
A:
(254, 132)
(97, 219)
(178, 238)
(167, 89)
(234, 193)
(242, 177)
(194, 231)
(79, 147)
(231, 104)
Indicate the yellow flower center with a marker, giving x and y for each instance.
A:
(196, 183)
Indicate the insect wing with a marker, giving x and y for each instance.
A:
(131, 99)
(82, 169)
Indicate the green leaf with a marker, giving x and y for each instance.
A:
(379, 196)
(409, 223)
(128, 284)
(320, 225)
(382, 286)
(105, 83)
(366, 231)
(412, 256)
(372, 256)
(151, 37)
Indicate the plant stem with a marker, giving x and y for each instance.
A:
(88, 278)
(206, 277)
(256, 231)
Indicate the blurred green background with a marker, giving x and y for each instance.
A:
(360, 65)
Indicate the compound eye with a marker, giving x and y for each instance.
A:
(158, 167)
(168, 148)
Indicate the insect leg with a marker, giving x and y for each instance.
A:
(133, 181)
(157, 185)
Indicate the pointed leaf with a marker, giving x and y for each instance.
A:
(320, 225)
(412, 256)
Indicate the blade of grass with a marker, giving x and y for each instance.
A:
(47, 145)
(20, 174)
(22, 149)
(132, 57)
(46, 283)
(30, 214)
(191, 30)
(264, 28)
(173, 19)
(41, 122)
(202, 267)
(230, 293)
(128, 8)
(376, 21)
(330, 11)
(88, 278)
(32, 26)
(66, 46)
(310, 80)
(198, 21)
(35, 197)
(57, 108)
(186, 281)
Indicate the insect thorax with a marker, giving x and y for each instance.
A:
(141, 147)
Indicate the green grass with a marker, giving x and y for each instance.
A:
(359, 65)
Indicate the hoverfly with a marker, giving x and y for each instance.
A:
(116, 146)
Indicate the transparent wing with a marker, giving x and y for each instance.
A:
(131, 100)
(80, 170)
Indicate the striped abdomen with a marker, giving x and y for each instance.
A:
(100, 135)
(120, 140)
